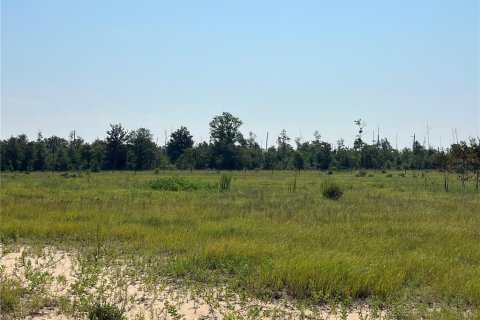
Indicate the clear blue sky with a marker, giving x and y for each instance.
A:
(298, 65)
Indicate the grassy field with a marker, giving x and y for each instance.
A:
(400, 242)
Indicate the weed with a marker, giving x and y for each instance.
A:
(178, 184)
(10, 294)
(361, 174)
(292, 186)
(225, 181)
(332, 190)
(105, 312)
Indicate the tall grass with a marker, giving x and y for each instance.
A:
(388, 238)
(225, 181)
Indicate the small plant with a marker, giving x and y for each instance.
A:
(292, 186)
(10, 295)
(361, 174)
(177, 184)
(105, 312)
(172, 311)
(225, 181)
(332, 191)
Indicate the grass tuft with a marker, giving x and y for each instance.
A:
(332, 190)
(178, 184)
(225, 181)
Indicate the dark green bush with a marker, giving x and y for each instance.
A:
(105, 312)
(178, 184)
(332, 190)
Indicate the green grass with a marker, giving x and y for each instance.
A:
(399, 240)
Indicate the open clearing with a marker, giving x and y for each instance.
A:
(271, 246)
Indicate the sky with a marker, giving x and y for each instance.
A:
(302, 66)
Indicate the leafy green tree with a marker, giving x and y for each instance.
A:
(252, 153)
(180, 140)
(75, 146)
(284, 151)
(143, 149)
(97, 153)
(299, 161)
(57, 155)
(13, 151)
(116, 148)
(41, 154)
(224, 133)
(224, 129)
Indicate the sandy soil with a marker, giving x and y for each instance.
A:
(66, 276)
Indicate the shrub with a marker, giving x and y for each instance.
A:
(10, 294)
(95, 167)
(225, 180)
(178, 184)
(361, 173)
(332, 191)
(105, 312)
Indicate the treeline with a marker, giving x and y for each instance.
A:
(228, 149)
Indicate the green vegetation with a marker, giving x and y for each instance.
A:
(225, 181)
(105, 312)
(228, 149)
(332, 190)
(178, 184)
(395, 242)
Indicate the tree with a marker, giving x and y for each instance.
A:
(284, 151)
(40, 162)
(358, 143)
(252, 153)
(57, 154)
(116, 149)
(224, 133)
(224, 129)
(180, 140)
(97, 155)
(142, 149)
(299, 161)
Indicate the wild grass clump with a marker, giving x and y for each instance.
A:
(292, 186)
(361, 174)
(225, 181)
(105, 312)
(178, 184)
(10, 294)
(332, 190)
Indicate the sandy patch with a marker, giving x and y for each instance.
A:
(68, 282)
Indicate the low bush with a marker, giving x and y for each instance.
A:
(361, 174)
(178, 184)
(10, 294)
(332, 190)
(105, 312)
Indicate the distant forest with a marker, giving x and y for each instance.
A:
(228, 149)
